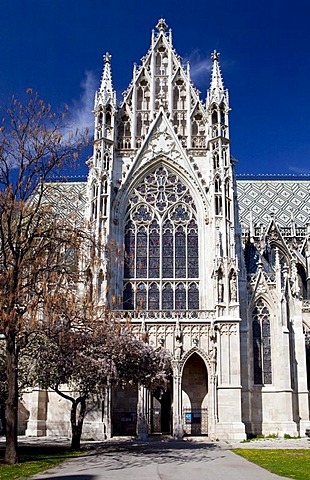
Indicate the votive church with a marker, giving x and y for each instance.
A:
(216, 269)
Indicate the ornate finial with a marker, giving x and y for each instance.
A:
(106, 87)
(215, 56)
(107, 57)
(216, 92)
(170, 36)
(161, 25)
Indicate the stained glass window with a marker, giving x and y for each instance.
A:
(153, 297)
(180, 297)
(141, 253)
(154, 250)
(261, 344)
(192, 250)
(129, 263)
(141, 297)
(161, 242)
(167, 300)
(167, 251)
(257, 343)
(180, 253)
(128, 297)
(193, 297)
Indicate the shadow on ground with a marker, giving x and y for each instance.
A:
(137, 454)
(116, 456)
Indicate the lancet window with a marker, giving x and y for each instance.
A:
(198, 130)
(161, 245)
(124, 132)
(94, 200)
(261, 344)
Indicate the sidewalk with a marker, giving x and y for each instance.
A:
(169, 460)
(190, 459)
(155, 459)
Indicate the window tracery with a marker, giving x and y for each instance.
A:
(261, 344)
(161, 245)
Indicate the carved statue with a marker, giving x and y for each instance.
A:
(294, 279)
(178, 348)
(233, 288)
(220, 289)
(213, 350)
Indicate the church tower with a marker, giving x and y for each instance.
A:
(231, 306)
(162, 191)
(99, 183)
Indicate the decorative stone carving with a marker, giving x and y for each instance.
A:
(233, 288)
(220, 289)
(227, 328)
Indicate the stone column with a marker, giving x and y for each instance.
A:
(177, 401)
(107, 413)
(37, 402)
(142, 413)
(212, 417)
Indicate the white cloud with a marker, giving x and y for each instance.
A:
(82, 109)
(200, 66)
(297, 169)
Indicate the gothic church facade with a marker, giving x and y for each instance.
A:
(215, 269)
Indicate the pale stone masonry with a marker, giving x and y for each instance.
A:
(216, 270)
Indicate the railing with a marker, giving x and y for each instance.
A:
(198, 142)
(172, 315)
(300, 232)
(124, 143)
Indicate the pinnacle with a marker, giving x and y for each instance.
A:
(216, 78)
(161, 25)
(106, 82)
(215, 55)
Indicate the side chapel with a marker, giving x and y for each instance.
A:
(216, 269)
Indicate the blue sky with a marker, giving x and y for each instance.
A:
(56, 47)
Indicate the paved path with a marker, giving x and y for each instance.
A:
(169, 460)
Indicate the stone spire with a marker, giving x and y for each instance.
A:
(217, 92)
(106, 87)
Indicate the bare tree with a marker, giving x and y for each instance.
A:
(34, 237)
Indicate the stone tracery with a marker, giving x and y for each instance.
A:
(161, 242)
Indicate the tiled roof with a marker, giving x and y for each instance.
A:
(284, 200)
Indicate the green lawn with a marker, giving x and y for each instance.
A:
(34, 460)
(287, 463)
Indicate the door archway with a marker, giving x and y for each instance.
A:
(195, 396)
(160, 413)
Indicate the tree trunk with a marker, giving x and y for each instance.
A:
(77, 423)
(2, 417)
(12, 400)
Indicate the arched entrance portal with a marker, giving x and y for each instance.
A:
(160, 414)
(195, 396)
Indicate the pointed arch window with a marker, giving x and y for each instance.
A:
(154, 250)
(180, 297)
(153, 297)
(261, 344)
(193, 297)
(167, 248)
(161, 244)
(141, 255)
(167, 300)
(214, 116)
(128, 297)
(94, 200)
(141, 296)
